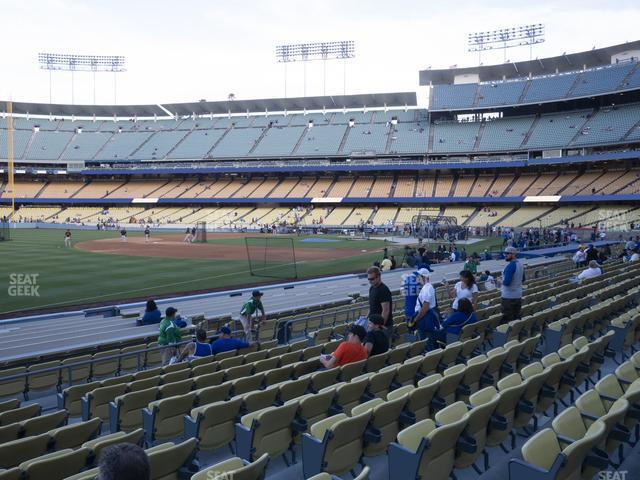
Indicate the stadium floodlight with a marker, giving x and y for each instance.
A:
(306, 52)
(83, 63)
(504, 38)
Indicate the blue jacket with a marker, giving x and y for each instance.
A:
(149, 318)
(457, 320)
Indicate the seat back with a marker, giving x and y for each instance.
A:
(385, 417)
(57, 465)
(344, 444)
(14, 453)
(542, 449)
(44, 423)
(235, 468)
(169, 413)
(216, 423)
(165, 464)
(72, 436)
(19, 414)
(315, 407)
(273, 434)
(98, 401)
(130, 405)
(438, 459)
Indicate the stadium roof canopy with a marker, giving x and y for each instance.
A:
(373, 100)
(567, 62)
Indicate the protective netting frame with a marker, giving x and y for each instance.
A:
(271, 257)
(201, 232)
(5, 230)
(427, 225)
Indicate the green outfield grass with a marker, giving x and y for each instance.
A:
(69, 276)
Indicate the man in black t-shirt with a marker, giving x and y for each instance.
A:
(376, 341)
(380, 299)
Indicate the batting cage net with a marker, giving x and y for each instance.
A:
(201, 232)
(273, 257)
(5, 231)
(437, 227)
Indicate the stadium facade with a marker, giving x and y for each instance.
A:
(540, 143)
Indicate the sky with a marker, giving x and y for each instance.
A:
(184, 51)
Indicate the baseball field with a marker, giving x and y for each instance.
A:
(38, 273)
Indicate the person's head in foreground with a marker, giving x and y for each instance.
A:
(124, 461)
(356, 334)
(465, 306)
(170, 312)
(256, 294)
(422, 276)
(375, 322)
(373, 275)
(510, 253)
(225, 332)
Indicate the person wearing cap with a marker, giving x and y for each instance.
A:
(376, 342)
(380, 299)
(249, 313)
(225, 343)
(594, 270)
(350, 351)
(170, 335)
(511, 289)
(426, 317)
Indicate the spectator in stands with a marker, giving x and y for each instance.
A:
(464, 315)
(465, 288)
(511, 290)
(249, 316)
(635, 256)
(591, 253)
(350, 351)
(410, 289)
(630, 245)
(124, 461)
(394, 263)
(579, 257)
(376, 342)
(489, 280)
(380, 299)
(152, 314)
(471, 265)
(426, 318)
(411, 259)
(170, 335)
(594, 270)
(198, 348)
(386, 264)
(224, 343)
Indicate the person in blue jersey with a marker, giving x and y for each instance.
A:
(410, 290)
(511, 290)
(225, 343)
(198, 348)
(464, 315)
(152, 314)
